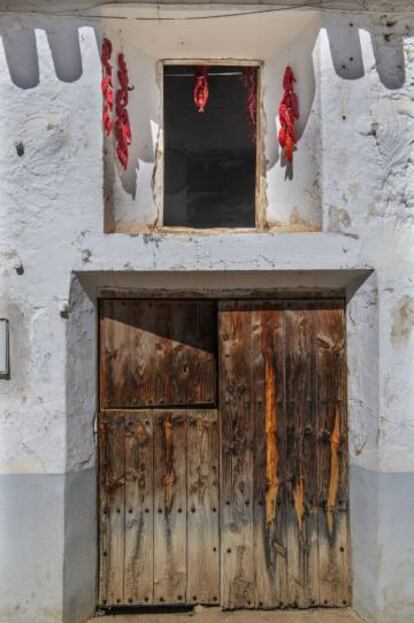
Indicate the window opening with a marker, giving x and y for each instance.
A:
(210, 156)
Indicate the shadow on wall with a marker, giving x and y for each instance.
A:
(19, 40)
(80, 527)
(387, 34)
(300, 56)
(22, 56)
(387, 38)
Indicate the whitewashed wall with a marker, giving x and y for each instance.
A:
(352, 178)
(290, 199)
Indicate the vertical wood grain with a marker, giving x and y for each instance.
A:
(270, 558)
(298, 393)
(203, 539)
(295, 497)
(310, 448)
(104, 499)
(170, 507)
(139, 511)
(112, 478)
(332, 521)
(237, 435)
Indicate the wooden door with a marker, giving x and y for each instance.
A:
(159, 454)
(284, 521)
(249, 509)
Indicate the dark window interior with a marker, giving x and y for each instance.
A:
(210, 157)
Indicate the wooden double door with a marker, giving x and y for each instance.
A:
(223, 454)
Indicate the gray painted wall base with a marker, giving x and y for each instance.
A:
(81, 547)
(31, 548)
(57, 569)
(47, 572)
(382, 527)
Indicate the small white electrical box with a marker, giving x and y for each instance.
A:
(4, 348)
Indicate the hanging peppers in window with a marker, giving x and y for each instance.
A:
(200, 92)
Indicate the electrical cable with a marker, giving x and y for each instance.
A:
(77, 13)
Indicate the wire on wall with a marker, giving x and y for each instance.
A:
(354, 6)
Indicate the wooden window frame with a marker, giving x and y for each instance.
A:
(260, 203)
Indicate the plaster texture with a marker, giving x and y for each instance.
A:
(355, 76)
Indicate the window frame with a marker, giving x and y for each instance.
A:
(259, 203)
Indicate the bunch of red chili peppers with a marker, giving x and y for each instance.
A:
(122, 125)
(106, 86)
(200, 91)
(288, 113)
(288, 109)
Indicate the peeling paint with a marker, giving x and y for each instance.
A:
(403, 321)
(339, 219)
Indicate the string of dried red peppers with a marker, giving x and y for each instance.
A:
(106, 87)
(250, 80)
(122, 125)
(288, 113)
(200, 91)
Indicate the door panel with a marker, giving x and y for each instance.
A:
(112, 507)
(332, 466)
(139, 512)
(237, 586)
(249, 509)
(290, 360)
(203, 538)
(170, 506)
(156, 353)
(268, 370)
(159, 507)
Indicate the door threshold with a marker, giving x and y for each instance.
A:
(200, 614)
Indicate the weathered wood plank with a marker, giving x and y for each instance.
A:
(104, 442)
(295, 338)
(310, 446)
(237, 432)
(269, 511)
(333, 568)
(139, 511)
(112, 495)
(157, 353)
(203, 539)
(284, 488)
(343, 541)
(170, 507)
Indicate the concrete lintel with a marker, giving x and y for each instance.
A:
(214, 284)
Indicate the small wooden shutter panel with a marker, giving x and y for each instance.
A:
(157, 353)
(282, 397)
